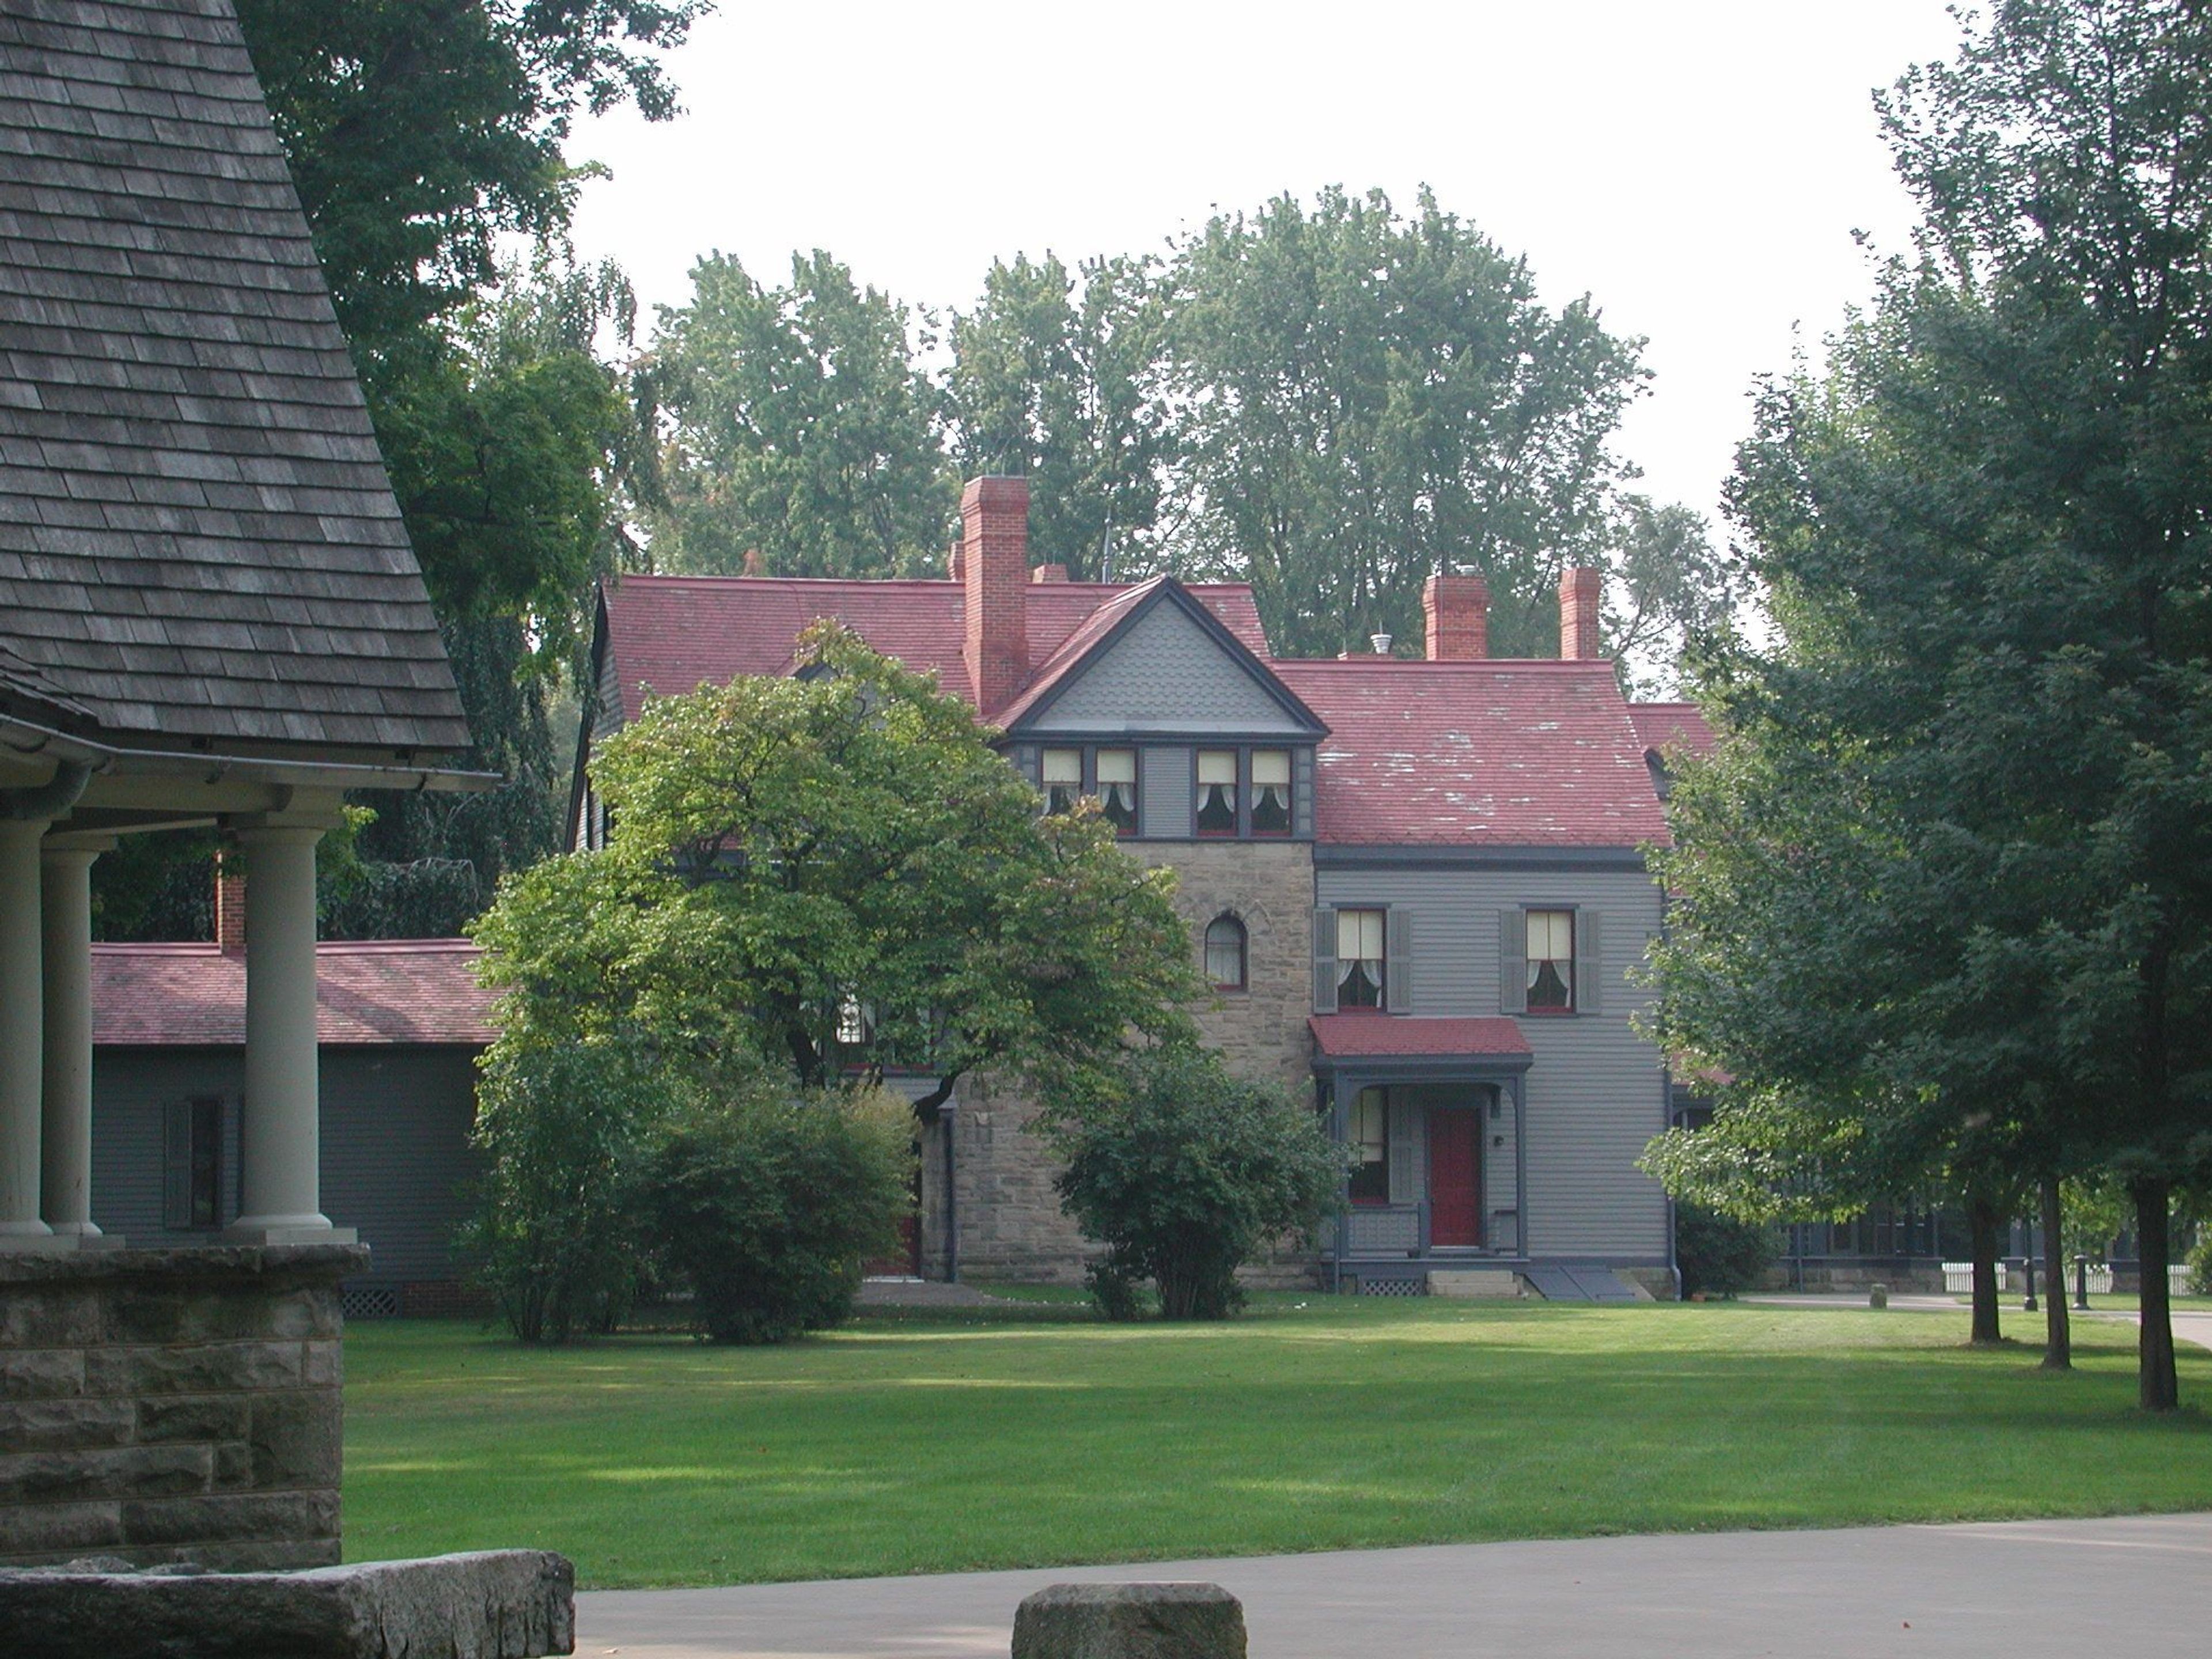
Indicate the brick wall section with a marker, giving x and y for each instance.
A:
(172, 1405)
(1580, 593)
(1457, 609)
(1010, 1223)
(994, 560)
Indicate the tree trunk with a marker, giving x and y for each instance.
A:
(2156, 1387)
(2058, 1335)
(1982, 1224)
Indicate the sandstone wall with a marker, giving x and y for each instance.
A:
(1010, 1221)
(172, 1405)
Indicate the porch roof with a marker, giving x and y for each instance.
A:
(1397, 1037)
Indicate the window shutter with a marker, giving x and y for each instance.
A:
(1397, 961)
(1324, 962)
(1405, 1124)
(177, 1165)
(1512, 962)
(1590, 963)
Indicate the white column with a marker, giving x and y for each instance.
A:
(21, 1033)
(65, 907)
(282, 1128)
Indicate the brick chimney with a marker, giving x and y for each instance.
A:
(952, 560)
(229, 903)
(1049, 573)
(994, 558)
(1580, 593)
(1458, 610)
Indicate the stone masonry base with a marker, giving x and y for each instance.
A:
(172, 1405)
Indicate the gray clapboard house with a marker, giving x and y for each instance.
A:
(1417, 884)
(209, 614)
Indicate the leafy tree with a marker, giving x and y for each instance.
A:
(800, 429)
(1185, 1173)
(421, 133)
(1065, 385)
(1981, 526)
(798, 858)
(1366, 399)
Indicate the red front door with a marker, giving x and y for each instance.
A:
(1454, 1175)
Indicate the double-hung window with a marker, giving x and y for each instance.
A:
(1359, 964)
(1062, 774)
(1118, 788)
(1226, 947)
(1368, 1134)
(1551, 961)
(1217, 792)
(1271, 792)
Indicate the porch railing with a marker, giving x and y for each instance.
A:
(1382, 1229)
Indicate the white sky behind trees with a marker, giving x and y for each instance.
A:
(1697, 167)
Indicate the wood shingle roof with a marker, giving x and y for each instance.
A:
(197, 539)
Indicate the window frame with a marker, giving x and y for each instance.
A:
(1047, 785)
(1091, 754)
(1251, 793)
(1237, 813)
(1381, 982)
(1368, 1172)
(1548, 1011)
(1243, 980)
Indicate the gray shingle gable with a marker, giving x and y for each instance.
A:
(197, 537)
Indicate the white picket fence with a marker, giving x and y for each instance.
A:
(1959, 1277)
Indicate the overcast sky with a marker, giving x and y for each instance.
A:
(1697, 167)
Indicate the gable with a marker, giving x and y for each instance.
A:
(1166, 673)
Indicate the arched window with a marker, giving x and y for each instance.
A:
(1225, 953)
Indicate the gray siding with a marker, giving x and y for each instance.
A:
(1594, 1098)
(1164, 783)
(395, 1152)
(1166, 674)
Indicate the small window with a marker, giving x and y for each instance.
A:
(1271, 792)
(1551, 961)
(1225, 953)
(1370, 1138)
(1062, 776)
(1359, 966)
(856, 1026)
(1118, 788)
(1217, 792)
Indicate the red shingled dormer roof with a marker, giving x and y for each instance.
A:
(1499, 752)
(671, 634)
(388, 991)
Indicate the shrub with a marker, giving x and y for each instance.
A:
(2200, 1264)
(1717, 1254)
(554, 1234)
(767, 1202)
(1185, 1173)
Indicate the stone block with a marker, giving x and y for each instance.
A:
(207, 1367)
(216, 1313)
(48, 1316)
(322, 1363)
(1473, 1282)
(41, 1373)
(1130, 1621)
(57, 1528)
(502, 1604)
(234, 1466)
(191, 1417)
(113, 1472)
(295, 1437)
(232, 1516)
(66, 1425)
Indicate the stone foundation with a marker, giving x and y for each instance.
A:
(161, 1406)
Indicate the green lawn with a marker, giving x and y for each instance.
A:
(1029, 1435)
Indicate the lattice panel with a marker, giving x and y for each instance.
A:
(1392, 1287)
(376, 1301)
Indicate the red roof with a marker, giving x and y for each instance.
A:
(1664, 725)
(386, 991)
(1498, 752)
(672, 635)
(1393, 1036)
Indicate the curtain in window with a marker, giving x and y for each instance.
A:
(1271, 792)
(1217, 792)
(1359, 959)
(1117, 787)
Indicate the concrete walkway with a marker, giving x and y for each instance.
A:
(2041, 1589)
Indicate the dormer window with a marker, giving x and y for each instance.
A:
(1118, 788)
(1271, 792)
(1217, 792)
(1062, 774)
